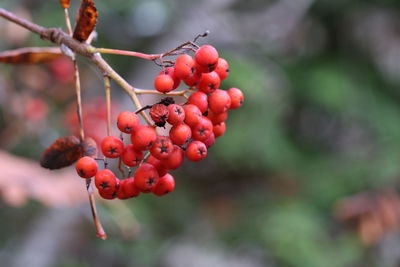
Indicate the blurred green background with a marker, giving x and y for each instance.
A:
(320, 123)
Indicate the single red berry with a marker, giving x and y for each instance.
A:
(143, 137)
(86, 167)
(175, 159)
(180, 134)
(171, 72)
(164, 83)
(131, 157)
(237, 97)
(184, 66)
(162, 147)
(206, 55)
(192, 115)
(112, 147)
(159, 114)
(222, 68)
(202, 130)
(161, 169)
(210, 140)
(127, 189)
(127, 121)
(209, 82)
(219, 129)
(146, 177)
(106, 181)
(192, 80)
(217, 118)
(176, 114)
(199, 99)
(107, 195)
(219, 101)
(165, 185)
(196, 151)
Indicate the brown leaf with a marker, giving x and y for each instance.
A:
(86, 20)
(89, 147)
(65, 3)
(63, 152)
(30, 55)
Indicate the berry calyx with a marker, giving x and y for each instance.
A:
(112, 147)
(159, 114)
(196, 151)
(209, 82)
(106, 181)
(161, 148)
(176, 114)
(202, 130)
(86, 167)
(146, 177)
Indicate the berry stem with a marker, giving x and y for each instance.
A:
(155, 92)
(99, 228)
(67, 21)
(107, 88)
(126, 53)
(79, 101)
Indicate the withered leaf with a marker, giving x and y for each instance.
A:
(30, 55)
(65, 3)
(86, 20)
(63, 152)
(89, 147)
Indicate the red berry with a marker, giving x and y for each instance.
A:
(196, 151)
(202, 130)
(176, 114)
(86, 167)
(165, 185)
(107, 195)
(106, 181)
(206, 55)
(171, 72)
(204, 69)
(219, 101)
(112, 147)
(143, 137)
(219, 129)
(127, 121)
(127, 189)
(192, 115)
(217, 118)
(162, 147)
(175, 160)
(180, 134)
(146, 177)
(161, 169)
(184, 66)
(131, 157)
(209, 82)
(164, 83)
(237, 98)
(210, 140)
(192, 80)
(200, 100)
(159, 114)
(222, 68)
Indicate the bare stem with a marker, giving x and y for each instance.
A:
(126, 53)
(107, 88)
(155, 92)
(99, 228)
(67, 21)
(79, 101)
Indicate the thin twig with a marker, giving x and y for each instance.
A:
(125, 53)
(67, 21)
(99, 228)
(155, 92)
(107, 88)
(79, 101)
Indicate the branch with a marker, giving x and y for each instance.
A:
(59, 37)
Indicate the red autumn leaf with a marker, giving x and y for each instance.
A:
(89, 147)
(86, 20)
(65, 3)
(30, 55)
(62, 153)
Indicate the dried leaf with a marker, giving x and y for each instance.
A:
(86, 20)
(65, 3)
(89, 147)
(30, 55)
(63, 152)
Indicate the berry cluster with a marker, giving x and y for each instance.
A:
(194, 125)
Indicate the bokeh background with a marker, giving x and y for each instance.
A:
(306, 174)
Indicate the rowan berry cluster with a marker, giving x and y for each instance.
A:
(194, 126)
